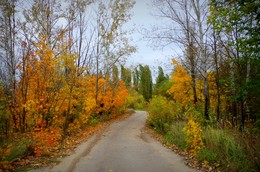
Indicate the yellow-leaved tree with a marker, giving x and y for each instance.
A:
(181, 90)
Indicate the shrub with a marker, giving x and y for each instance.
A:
(14, 147)
(194, 135)
(135, 100)
(44, 139)
(161, 114)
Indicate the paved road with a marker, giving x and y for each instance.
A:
(123, 147)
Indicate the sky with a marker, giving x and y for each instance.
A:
(146, 55)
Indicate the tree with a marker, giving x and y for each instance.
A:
(238, 37)
(160, 80)
(126, 76)
(42, 20)
(115, 75)
(112, 45)
(190, 33)
(79, 31)
(8, 45)
(136, 79)
(146, 83)
(181, 90)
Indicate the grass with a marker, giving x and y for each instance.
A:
(208, 155)
(223, 148)
(176, 136)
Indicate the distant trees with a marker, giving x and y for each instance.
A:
(126, 76)
(160, 78)
(142, 80)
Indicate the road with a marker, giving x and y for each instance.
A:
(123, 147)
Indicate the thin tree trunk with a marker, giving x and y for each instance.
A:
(217, 78)
(202, 54)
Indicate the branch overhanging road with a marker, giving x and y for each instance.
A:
(123, 147)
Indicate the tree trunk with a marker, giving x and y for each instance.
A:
(207, 100)
(193, 79)
(217, 78)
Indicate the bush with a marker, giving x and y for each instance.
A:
(135, 100)
(194, 135)
(13, 148)
(161, 114)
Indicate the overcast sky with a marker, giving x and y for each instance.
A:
(146, 55)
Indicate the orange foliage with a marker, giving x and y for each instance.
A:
(45, 139)
(111, 99)
(53, 99)
(181, 89)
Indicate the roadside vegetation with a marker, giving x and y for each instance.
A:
(207, 144)
(211, 110)
(60, 77)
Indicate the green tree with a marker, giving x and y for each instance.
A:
(126, 76)
(146, 83)
(236, 25)
(160, 78)
(162, 83)
(136, 79)
(115, 77)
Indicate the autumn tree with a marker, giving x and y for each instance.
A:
(187, 28)
(181, 89)
(49, 83)
(41, 18)
(112, 46)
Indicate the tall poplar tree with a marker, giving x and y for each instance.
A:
(146, 83)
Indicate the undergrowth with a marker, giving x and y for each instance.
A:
(176, 136)
(221, 149)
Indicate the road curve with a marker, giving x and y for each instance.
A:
(123, 147)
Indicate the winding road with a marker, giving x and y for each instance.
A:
(123, 147)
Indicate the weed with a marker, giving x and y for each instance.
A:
(206, 154)
(226, 150)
